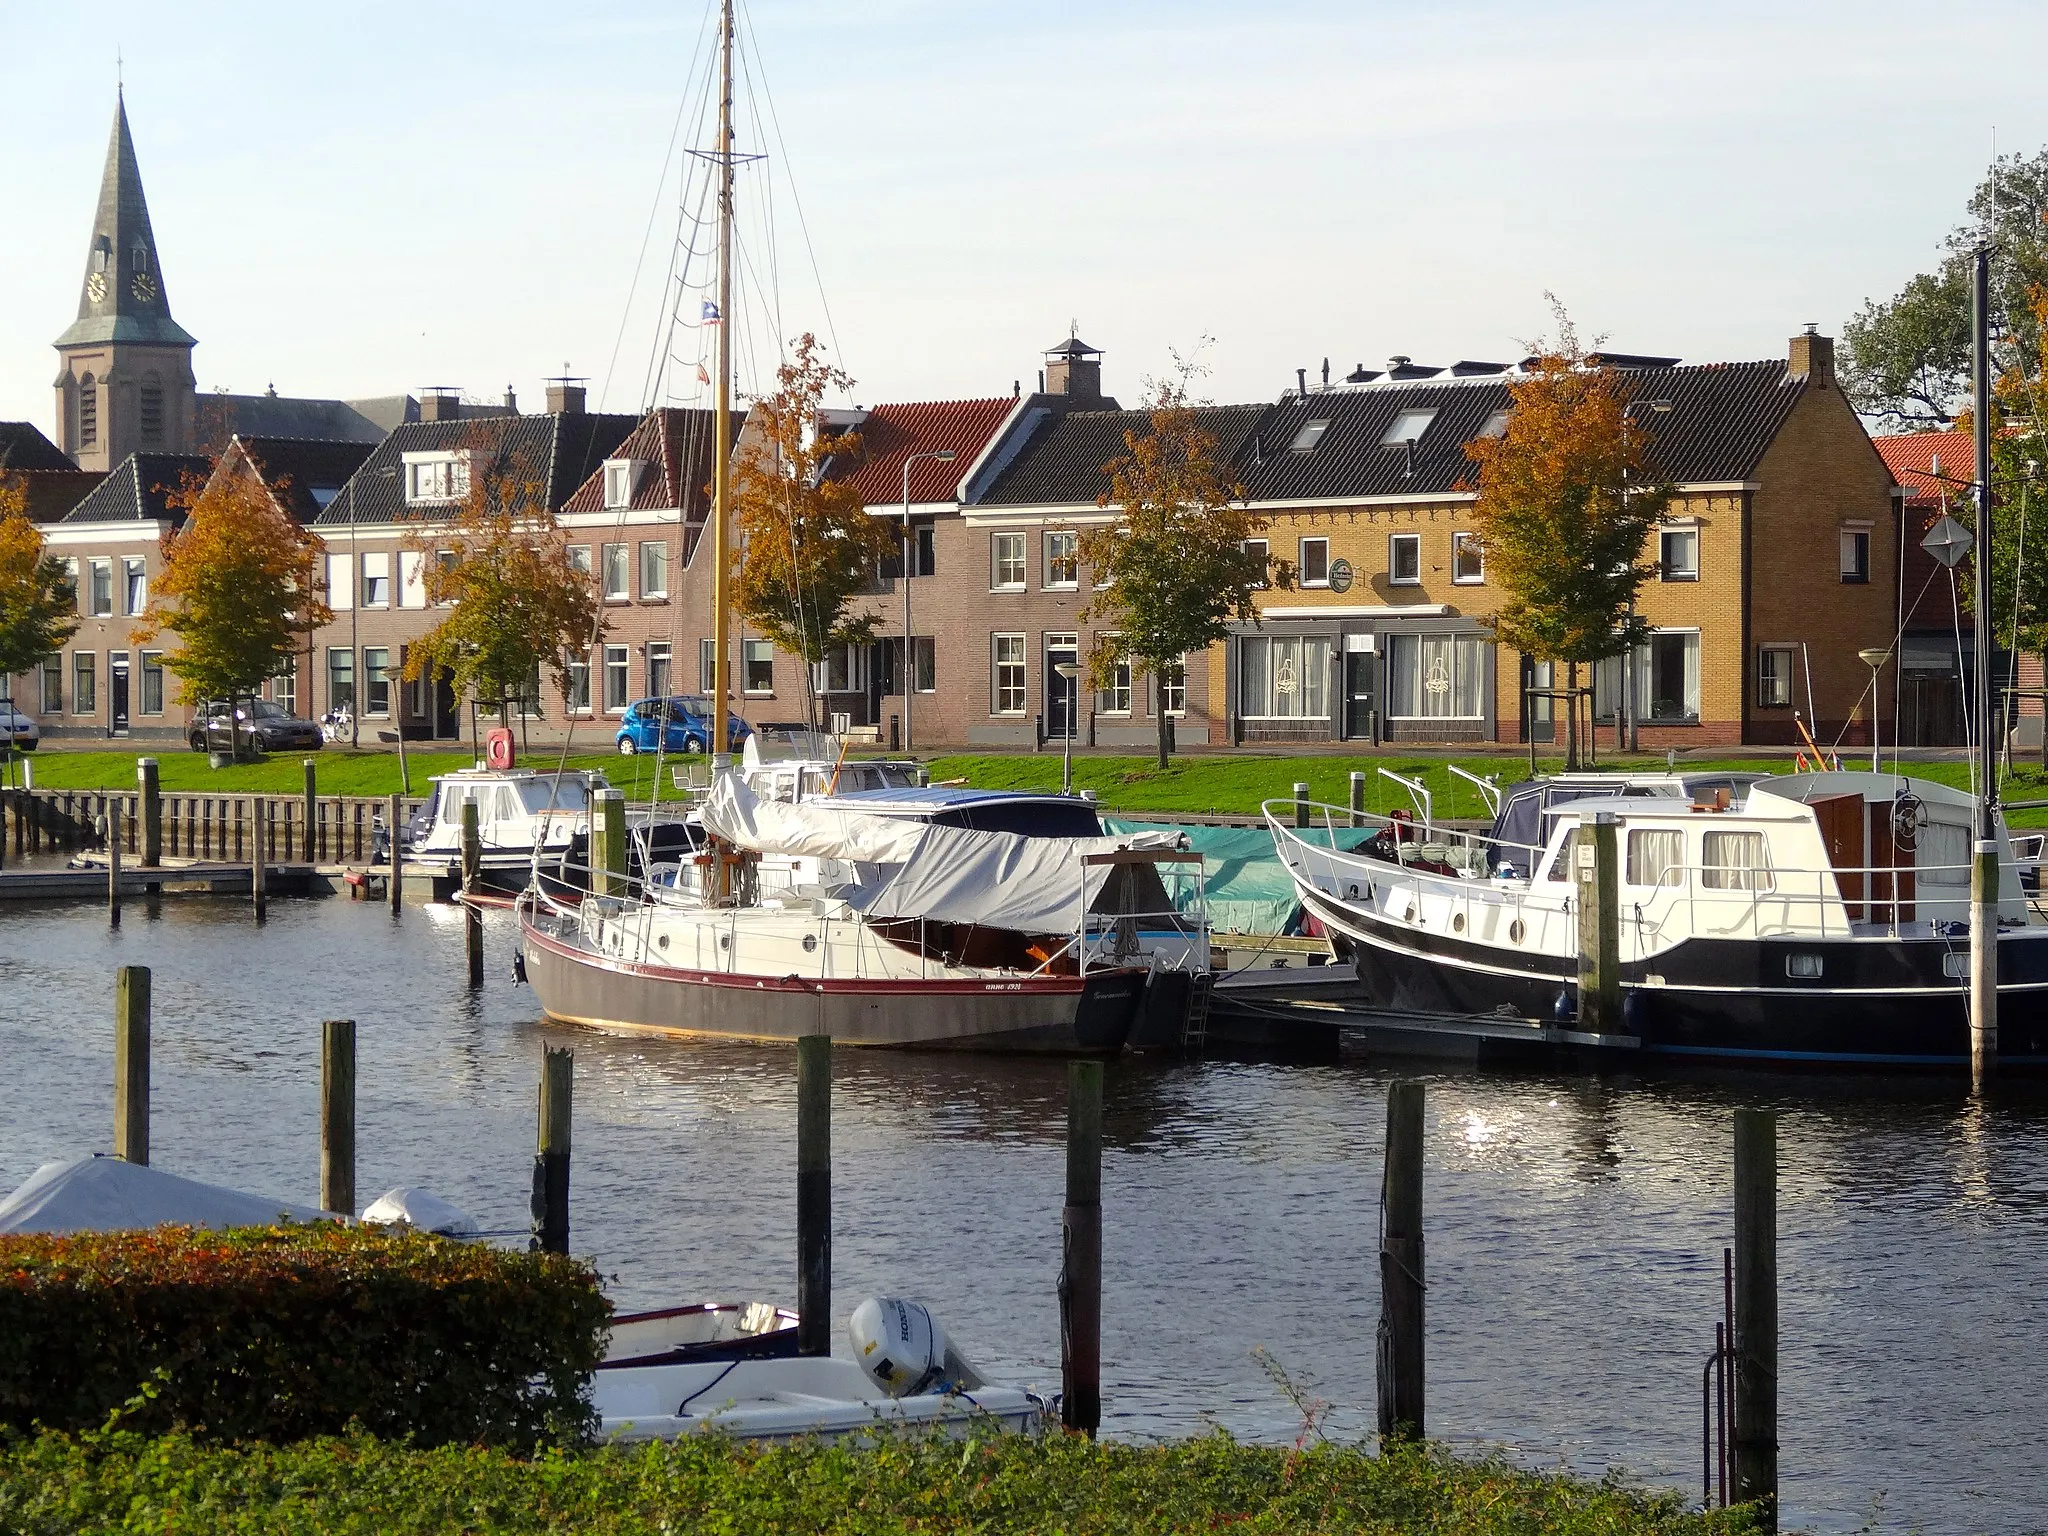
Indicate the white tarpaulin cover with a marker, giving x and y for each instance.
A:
(946, 874)
(106, 1194)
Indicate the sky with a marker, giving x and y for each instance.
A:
(370, 199)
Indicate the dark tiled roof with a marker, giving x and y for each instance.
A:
(891, 433)
(52, 493)
(23, 447)
(137, 488)
(305, 474)
(275, 416)
(1064, 463)
(562, 449)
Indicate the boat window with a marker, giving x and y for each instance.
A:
(1026, 818)
(1734, 861)
(567, 795)
(1561, 866)
(1655, 855)
(508, 807)
(1803, 967)
(1941, 855)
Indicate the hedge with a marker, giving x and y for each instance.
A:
(279, 1333)
(85, 1486)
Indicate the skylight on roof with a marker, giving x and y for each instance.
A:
(1496, 424)
(323, 494)
(1306, 439)
(1408, 427)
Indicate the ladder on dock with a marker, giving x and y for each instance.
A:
(1194, 1029)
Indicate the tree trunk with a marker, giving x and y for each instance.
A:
(1159, 679)
(1571, 719)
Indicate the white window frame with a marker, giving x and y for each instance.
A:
(373, 685)
(377, 579)
(149, 664)
(1666, 569)
(1000, 546)
(1116, 698)
(412, 578)
(1789, 655)
(1396, 541)
(618, 670)
(96, 569)
(341, 582)
(52, 690)
(447, 560)
(707, 669)
(660, 662)
(621, 479)
(1296, 671)
(1416, 419)
(757, 652)
(134, 584)
(436, 479)
(617, 561)
(577, 686)
(1460, 542)
(656, 552)
(85, 668)
(1071, 542)
(1265, 554)
(1007, 652)
(354, 687)
(1855, 568)
(1321, 545)
(1172, 696)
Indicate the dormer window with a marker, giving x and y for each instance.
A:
(1306, 439)
(1496, 424)
(621, 477)
(1408, 427)
(436, 477)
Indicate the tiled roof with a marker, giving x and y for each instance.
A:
(52, 493)
(1065, 462)
(563, 449)
(286, 416)
(891, 433)
(23, 447)
(1910, 457)
(137, 488)
(305, 473)
(676, 440)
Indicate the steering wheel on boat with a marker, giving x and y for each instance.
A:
(1909, 815)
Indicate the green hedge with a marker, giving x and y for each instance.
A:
(278, 1333)
(120, 1483)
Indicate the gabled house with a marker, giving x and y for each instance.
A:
(1937, 656)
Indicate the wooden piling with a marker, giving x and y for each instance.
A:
(1357, 798)
(551, 1160)
(1080, 1283)
(1597, 875)
(814, 1195)
(311, 813)
(472, 914)
(152, 828)
(608, 843)
(1756, 1312)
(1400, 1362)
(114, 865)
(397, 881)
(338, 1116)
(131, 1063)
(259, 855)
(1300, 805)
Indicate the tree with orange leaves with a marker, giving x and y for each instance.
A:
(1567, 497)
(38, 606)
(238, 589)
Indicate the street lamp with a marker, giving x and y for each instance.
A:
(1069, 671)
(942, 456)
(1874, 657)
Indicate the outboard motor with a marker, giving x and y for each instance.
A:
(904, 1350)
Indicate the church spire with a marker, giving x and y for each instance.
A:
(122, 298)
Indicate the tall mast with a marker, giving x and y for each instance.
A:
(721, 482)
(1984, 875)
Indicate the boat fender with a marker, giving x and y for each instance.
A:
(1635, 1010)
(1562, 1010)
(904, 1350)
(519, 967)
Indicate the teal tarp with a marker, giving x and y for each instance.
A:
(1248, 887)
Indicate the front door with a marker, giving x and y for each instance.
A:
(447, 719)
(117, 693)
(1841, 822)
(1062, 694)
(1361, 679)
(1539, 723)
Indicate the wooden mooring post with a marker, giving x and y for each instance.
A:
(114, 831)
(1080, 1283)
(814, 1195)
(1357, 798)
(1756, 1312)
(147, 783)
(551, 1159)
(396, 882)
(259, 854)
(314, 850)
(1300, 805)
(1596, 855)
(1400, 1362)
(472, 914)
(608, 843)
(338, 1116)
(131, 1063)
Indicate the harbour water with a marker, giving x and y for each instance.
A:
(1574, 1227)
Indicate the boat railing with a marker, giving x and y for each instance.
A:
(1465, 852)
(1791, 901)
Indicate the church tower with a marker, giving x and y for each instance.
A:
(126, 384)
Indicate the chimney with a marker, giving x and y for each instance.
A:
(1301, 382)
(511, 402)
(1074, 369)
(1813, 357)
(440, 403)
(566, 396)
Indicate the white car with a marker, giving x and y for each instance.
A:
(18, 728)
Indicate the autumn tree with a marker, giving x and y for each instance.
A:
(238, 589)
(521, 606)
(38, 603)
(807, 544)
(1567, 496)
(1172, 570)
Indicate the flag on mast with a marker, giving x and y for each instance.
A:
(703, 374)
(711, 314)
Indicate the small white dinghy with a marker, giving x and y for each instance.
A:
(909, 1378)
(106, 1194)
(710, 1330)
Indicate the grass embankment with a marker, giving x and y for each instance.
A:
(116, 1482)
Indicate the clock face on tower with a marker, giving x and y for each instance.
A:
(96, 286)
(144, 287)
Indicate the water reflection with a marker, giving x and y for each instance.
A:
(1575, 1226)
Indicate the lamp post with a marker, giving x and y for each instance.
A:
(1068, 670)
(1874, 657)
(942, 456)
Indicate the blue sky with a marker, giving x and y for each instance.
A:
(372, 198)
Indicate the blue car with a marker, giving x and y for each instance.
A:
(681, 723)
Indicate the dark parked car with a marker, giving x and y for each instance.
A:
(272, 726)
(683, 722)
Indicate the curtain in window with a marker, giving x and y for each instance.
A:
(1734, 861)
(1284, 677)
(1654, 854)
(1942, 854)
(1435, 677)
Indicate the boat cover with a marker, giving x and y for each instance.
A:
(946, 874)
(106, 1194)
(1246, 886)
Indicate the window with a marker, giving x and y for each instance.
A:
(1496, 425)
(284, 688)
(376, 680)
(412, 579)
(924, 552)
(1670, 689)
(134, 584)
(1306, 439)
(1115, 698)
(616, 575)
(341, 680)
(1257, 550)
(53, 685)
(102, 591)
(616, 659)
(88, 412)
(1435, 677)
(153, 683)
(447, 560)
(1006, 690)
(578, 684)
(658, 655)
(341, 582)
(376, 581)
(844, 669)
(579, 558)
(654, 572)
(1855, 556)
(71, 581)
(1006, 561)
(1062, 560)
(150, 400)
(436, 477)
(707, 664)
(1173, 690)
(758, 659)
(620, 476)
(85, 692)
(1678, 554)
(1734, 861)
(1315, 562)
(1655, 855)
(1404, 559)
(1283, 677)
(1468, 560)
(924, 664)
(1774, 677)
(1408, 427)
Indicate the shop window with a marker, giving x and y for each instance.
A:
(1283, 677)
(1435, 677)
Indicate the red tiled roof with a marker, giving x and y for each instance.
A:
(1910, 457)
(891, 433)
(676, 441)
